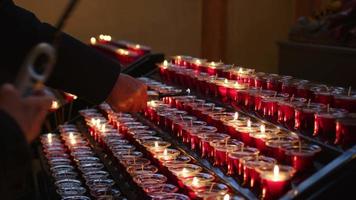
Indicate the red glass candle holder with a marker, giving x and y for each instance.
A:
(205, 140)
(276, 183)
(194, 135)
(275, 146)
(301, 157)
(345, 131)
(235, 165)
(325, 123)
(345, 102)
(304, 116)
(251, 164)
(222, 149)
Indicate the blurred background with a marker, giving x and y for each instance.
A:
(234, 31)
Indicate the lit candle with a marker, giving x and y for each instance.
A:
(236, 116)
(55, 105)
(92, 40)
(72, 139)
(249, 123)
(263, 129)
(276, 182)
(49, 139)
(184, 173)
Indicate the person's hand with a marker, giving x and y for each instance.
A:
(28, 112)
(128, 95)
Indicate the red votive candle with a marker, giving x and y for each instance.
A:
(235, 165)
(194, 135)
(276, 182)
(325, 123)
(301, 157)
(286, 111)
(275, 145)
(205, 140)
(304, 116)
(222, 149)
(251, 164)
(346, 131)
(347, 102)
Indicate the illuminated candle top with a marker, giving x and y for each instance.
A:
(72, 95)
(249, 123)
(72, 139)
(55, 105)
(195, 182)
(92, 40)
(156, 145)
(236, 116)
(276, 175)
(263, 128)
(123, 52)
(165, 152)
(226, 197)
(49, 138)
(197, 62)
(137, 46)
(165, 64)
(212, 64)
(103, 128)
(185, 172)
(226, 81)
(105, 37)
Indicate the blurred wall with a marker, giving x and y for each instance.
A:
(175, 26)
(172, 27)
(253, 27)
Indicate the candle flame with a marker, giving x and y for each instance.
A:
(122, 52)
(226, 197)
(151, 103)
(263, 128)
(55, 105)
(275, 171)
(249, 123)
(213, 64)
(72, 138)
(226, 81)
(92, 40)
(184, 172)
(236, 116)
(156, 145)
(198, 62)
(72, 96)
(49, 137)
(103, 128)
(240, 70)
(165, 63)
(195, 182)
(105, 37)
(137, 46)
(165, 152)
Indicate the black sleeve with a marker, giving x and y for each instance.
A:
(15, 160)
(80, 69)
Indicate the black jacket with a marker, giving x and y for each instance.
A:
(79, 70)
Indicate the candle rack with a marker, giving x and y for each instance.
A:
(331, 162)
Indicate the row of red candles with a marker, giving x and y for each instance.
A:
(227, 152)
(61, 151)
(332, 124)
(335, 96)
(141, 169)
(125, 52)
